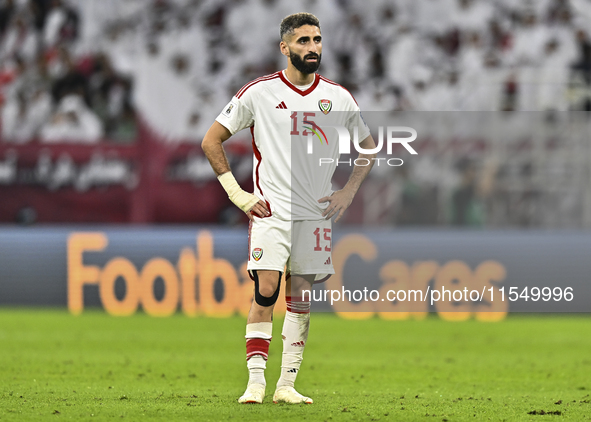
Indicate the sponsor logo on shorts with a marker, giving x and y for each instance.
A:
(299, 343)
(257, 254)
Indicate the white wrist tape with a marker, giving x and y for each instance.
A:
(242, 199)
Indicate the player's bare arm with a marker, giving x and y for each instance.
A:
(340, 200)
(214, 151)
(212, 147)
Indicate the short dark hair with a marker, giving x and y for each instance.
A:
(292, 22)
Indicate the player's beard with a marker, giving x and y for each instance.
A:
(302, 65)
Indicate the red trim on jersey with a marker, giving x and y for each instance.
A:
(299, 91)
(256, 81)
(259, 158)
(249, 230)
(334, 83)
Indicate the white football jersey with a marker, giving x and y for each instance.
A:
(280, 115)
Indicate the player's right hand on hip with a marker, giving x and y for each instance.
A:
(247, 202)
(259, 209)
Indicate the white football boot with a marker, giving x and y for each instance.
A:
(255, 393)
(290, 395)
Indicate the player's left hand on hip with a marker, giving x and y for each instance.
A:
(339, 201)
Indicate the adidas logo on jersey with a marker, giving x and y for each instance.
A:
(282, 106)
(327, 261)
(299, 343)
(293, 371)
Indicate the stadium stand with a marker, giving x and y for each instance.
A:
(117, 94)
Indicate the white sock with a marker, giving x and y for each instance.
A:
(295, 335)
(258, 337)
(256, 370)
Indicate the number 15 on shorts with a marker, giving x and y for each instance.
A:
(323, 239)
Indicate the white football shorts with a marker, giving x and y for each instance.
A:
(300, 247)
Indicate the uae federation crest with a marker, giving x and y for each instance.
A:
(257, 253)
(325, 106)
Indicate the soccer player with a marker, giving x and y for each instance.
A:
(268, 106)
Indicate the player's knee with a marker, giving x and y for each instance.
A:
(299, 283)
(266, 291)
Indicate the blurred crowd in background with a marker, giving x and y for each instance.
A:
(89, 71)
(178, 62)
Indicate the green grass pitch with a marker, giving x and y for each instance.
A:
(54, 366)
